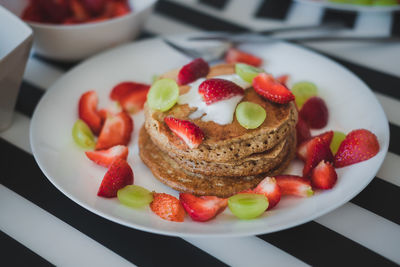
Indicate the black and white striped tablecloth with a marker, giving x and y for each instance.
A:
(40, 226)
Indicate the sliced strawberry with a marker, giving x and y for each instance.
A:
(270, 189)
(265, 85)
(192, 71)
(294, 185)
(134, 102)
(189, 132)
(234, 55)
(302, 131)
(323, 176)
(318, 150)
(215, 89)
(94, 7)
(124, 89)
(315, 113)
(202, 208)
(283, 79)
(303, 150)
(106, 157)
(167, 207)
(118, 176)
(359, 145)
(78, 10)
(88, 111)
(326, 136)
(117, 130)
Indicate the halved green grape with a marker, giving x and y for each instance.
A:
(337, 139)
(248, 206)
(135, 196)
(154, 78)
(163, 94)
(385, 2)
(247, 72)
(250, 115)
(82, 135)
(303, 91)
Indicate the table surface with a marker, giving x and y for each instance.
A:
(40, 226)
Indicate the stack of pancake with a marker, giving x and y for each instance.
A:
(231, 158)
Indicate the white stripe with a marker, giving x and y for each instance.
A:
(18, 133)
(296, 14)
(245, 251)
(373, 23)
(390, 169)
(391, 107)
(50, 237)
(41, 74)
(365, 228)
(160, 24)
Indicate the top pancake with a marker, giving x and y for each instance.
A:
(222, 142)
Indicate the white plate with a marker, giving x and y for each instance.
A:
(351, 104)
(350, 7)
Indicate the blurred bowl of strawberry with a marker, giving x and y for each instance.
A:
(71, 30)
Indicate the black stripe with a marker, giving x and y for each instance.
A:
(274, 9)
(380, 197)
(141, 248)
(396, 23)
(394, 145)
(346, 17)
(16, 254)
(194, 17)
(219, 4)
(28, 97)
(56, 63)
(320, 246)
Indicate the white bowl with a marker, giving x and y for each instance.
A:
(15, 44)
(75, 42)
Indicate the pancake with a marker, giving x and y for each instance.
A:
(170, 172)
(223, 142)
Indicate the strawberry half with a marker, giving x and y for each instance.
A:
(202, 208)
(283, 79)
(192, 71)
(294, 185)
(270, 189)
(167, 207)
(106, 157)
(87, 109)
(302, 131)
(315, 113)
(267, 86)
(323, 176)
(124, 89)
(117, 130)
(234, 55)
(317, 151)
(303, 150)
(189, 132)
(359, 145)
(118, 176)
(215, 89)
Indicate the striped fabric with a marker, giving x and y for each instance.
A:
(40, 226)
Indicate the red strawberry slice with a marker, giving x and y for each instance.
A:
(88, 111)
(106, 157)
(117, 130)
(192, 71)
(319, 150)
(189, 132)
(215, 89)
(202, 208)
(303, 150)
(118, 176)
(359, 145)
(283, 79)
(234, 55)
(134, 102)
(294, 185)
(124, 89)
(323, 176)
(265, 85)
(94, 7)
(315, 113)
(167, 207)
(302, 131)
(78, 10)
(270, 189)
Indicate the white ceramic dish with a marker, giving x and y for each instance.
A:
(349, 7)
(75, 42)
(352, 105)
(15, 44)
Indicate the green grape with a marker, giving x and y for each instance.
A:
(134, 196)
(154, 78)
(163, 94)
(361, 2)
(339, 1)
(250, 115)
(385, 2)
(82, 135)
(337, 139)
(247, 72)
(303, 91)
(248, 206)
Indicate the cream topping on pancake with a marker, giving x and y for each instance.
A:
(220, 112)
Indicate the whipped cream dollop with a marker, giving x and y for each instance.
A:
(220, 112)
